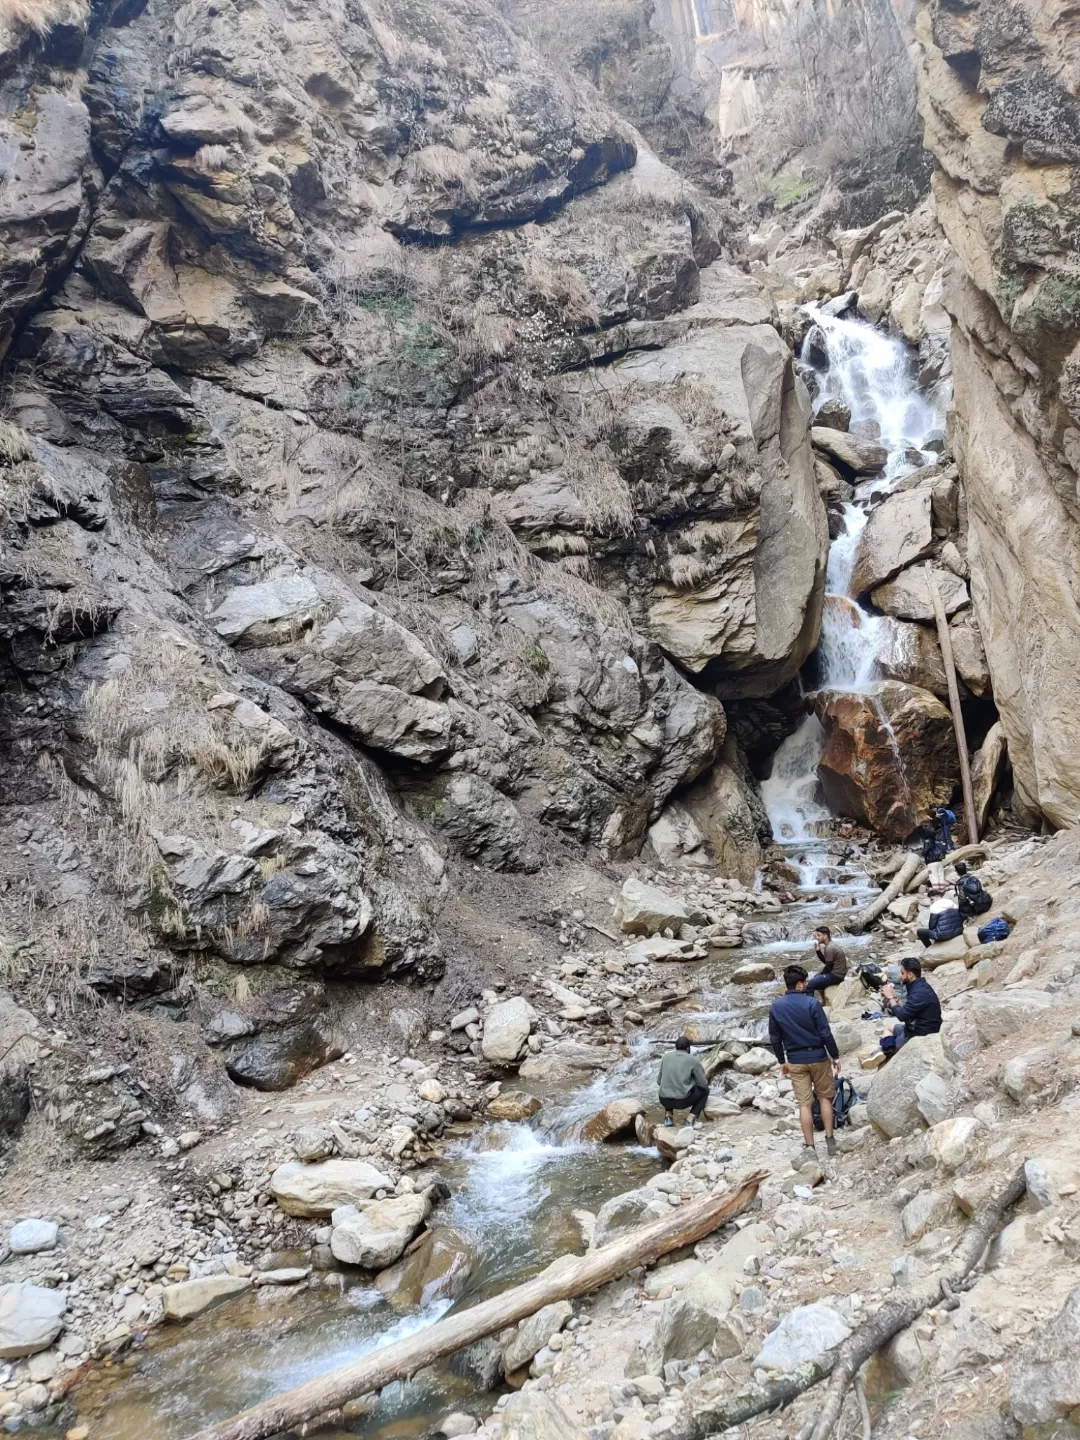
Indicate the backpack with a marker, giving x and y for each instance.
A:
(843, 1099)
(973, 899)
(996, 929)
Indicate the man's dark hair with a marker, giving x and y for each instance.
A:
(682, 1043)
(823, 930)
(912, 966)
(961, 867)
(794, 975)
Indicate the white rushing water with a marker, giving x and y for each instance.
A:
(874, 376)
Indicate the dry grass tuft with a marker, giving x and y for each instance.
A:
(41, 15)
(211, 158)
(597, 483)
(563, 287)
(441, 165)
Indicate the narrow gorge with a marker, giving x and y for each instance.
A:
(476, 484)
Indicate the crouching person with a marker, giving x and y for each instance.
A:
(683, 1085)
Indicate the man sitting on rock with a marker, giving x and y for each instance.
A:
(803, 1043)
(683, 1085)
(833, 962)
(920, 1014)
(945, 921)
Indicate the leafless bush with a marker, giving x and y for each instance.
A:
(42, 15)
(563, 287)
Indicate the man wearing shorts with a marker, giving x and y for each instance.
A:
(803, 1043)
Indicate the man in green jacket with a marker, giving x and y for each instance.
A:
(683, 1085)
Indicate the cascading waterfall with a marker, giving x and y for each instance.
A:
(873, 375)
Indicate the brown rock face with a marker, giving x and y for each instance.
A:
(996, 96)
(889, 755)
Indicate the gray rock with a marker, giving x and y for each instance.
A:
(534, 1333)
(926, 1211)
(1040, 1181)
(646, 910)
(225, 1026)
(623, 1213)
(29, 1236)
(681, 1333)
(934, 1097)
(998, 1014)
(892, 1104)
(278, 1058)
(506, 1031)
(313, 1143)
(31, 1318)
(378, 1235)
(317, 1190)
(803, 1335)
(1044, 1379)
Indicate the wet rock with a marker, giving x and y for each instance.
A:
(671, 1141)
(860, 456)
(534, 1333)
(624, 1213)
(513, 1105)
(833, 415)
(457, 1423)
(753, 973)
(438, 1269)
(898, 532)
(803, 1335)
(315, 1190)
(192, 1297)
(616, 1118)
(378, 1235)
(907, 597)
(890, 755)
(646, 910)
(506, 1030)
(276, 1059)
(892, 1104)
(31, 1317)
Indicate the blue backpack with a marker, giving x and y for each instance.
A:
(996, 929)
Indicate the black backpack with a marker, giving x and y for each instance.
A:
(972, 898)
(843, 1100)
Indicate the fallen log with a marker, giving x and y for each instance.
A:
(400, 1361)
(708, 1413)
(896, 886)
(964, 852)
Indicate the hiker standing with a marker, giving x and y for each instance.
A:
(803, 1043)
(939, 842)
(920, 1014)
(683, 1085)
(833, 962)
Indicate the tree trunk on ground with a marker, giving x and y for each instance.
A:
(684, 1226)
(896, 886)
(709, 1414)
(965, 852)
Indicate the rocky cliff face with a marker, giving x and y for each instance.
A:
(395, 472)
(997, 86)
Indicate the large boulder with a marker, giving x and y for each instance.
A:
(616, 1118)
(889, 756)
(893, 1102)
(530, 1415)
(803, 1335)
(377, 1235)
(854, 452)
(647, 910)
(907, 597)
(277, 1058)
(319, 1189)
(506, 1030)
(998, 1014)
(898, 532)
(624, 1213)
(192, 1297)
(31, 1317)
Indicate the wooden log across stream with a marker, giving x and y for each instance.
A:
(562, 1281)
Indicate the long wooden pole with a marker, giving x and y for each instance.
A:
(684, 1226)
(945, 641)
(896, 886)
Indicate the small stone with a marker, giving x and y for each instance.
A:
(188, 1139)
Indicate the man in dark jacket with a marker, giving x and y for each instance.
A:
(683, 1085)
(920, 1013)
(833, 961)
(945, 921)
(803, 1043)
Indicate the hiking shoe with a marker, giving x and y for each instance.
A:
(831, 1145)
(669, 1123)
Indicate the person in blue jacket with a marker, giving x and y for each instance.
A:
(920, 1014)
(803, 1043)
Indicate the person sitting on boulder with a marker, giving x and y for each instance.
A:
(803, 1043)
(971, 898)
(683, 1085)
(920, 1014)
(946, 921)
(833, 962)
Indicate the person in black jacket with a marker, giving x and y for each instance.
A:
(803, 1043)
(920, 1013)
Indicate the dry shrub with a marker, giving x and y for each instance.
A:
(597, 483)
(210, 158)
(562, 287)
(443, 166)
(42, 15)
